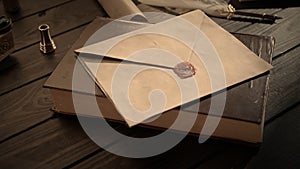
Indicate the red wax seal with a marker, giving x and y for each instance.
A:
(184, 70)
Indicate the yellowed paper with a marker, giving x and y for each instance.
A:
(124, 9)
(137, 70)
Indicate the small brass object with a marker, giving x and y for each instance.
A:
(47, 44)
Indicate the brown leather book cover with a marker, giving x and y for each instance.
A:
(245, 102)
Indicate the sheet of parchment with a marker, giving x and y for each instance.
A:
(122, 8)
(136, 72)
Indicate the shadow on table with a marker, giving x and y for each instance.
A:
(7, 63)
(187, 154)
(190, 154)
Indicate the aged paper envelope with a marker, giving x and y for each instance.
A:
(136, 70)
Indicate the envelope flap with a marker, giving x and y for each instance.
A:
(178, 40)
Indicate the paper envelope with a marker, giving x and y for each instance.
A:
(137, 72)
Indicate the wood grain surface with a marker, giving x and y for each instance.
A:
(60, 19)
(32, 136)
(31, 7)
(30, 64)
(23, 108)
(284, 87)
(52, 144)
(285, 31)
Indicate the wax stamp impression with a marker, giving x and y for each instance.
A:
(184, 70)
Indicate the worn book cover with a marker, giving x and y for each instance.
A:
(244, 109)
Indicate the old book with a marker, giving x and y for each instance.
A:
(244, 110)
(140, 71)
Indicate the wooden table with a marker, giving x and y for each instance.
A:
(32, 136)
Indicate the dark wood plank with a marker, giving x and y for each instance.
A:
(27, 7)
(54, 144)
(24, 108)
(286, 31)
(187, 154)
(30, 64)
(232, 157)
(60, 19)
(281, 148)
(284, 89)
